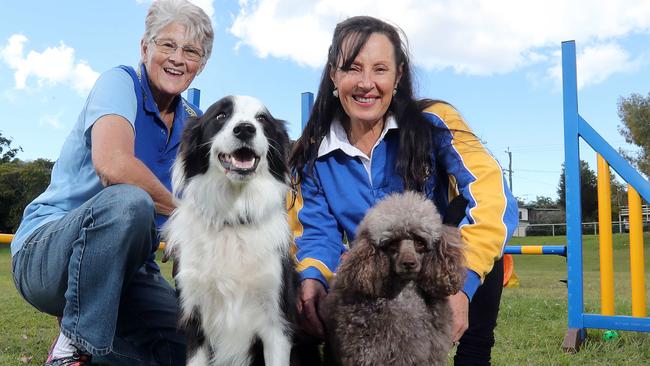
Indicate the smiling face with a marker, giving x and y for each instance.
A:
(169, 73)
(366, 89)
(237, 138)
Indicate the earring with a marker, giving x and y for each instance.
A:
(335, 93)
(394, 91)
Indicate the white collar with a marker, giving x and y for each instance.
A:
(338, 139)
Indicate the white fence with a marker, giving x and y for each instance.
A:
(560, 228)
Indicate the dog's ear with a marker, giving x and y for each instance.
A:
(365, 270)
(194, 152)
(278, 153)
(443, 268)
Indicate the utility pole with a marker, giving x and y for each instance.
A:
(509, 170)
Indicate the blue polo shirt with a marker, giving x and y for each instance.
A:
(122, 91)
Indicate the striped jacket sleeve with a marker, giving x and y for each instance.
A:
(491, 215)
(318, 238)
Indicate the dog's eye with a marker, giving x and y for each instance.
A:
(390, 246)
(420, 244)
(221, 116)
(261, 118)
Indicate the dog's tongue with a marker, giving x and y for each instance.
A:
(242, 164)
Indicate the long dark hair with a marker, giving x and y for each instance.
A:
(414, 161)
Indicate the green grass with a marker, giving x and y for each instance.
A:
(532, 320)
(533, 317)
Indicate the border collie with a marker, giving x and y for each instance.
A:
(230, 235)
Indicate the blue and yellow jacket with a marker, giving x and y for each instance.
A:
(332, 201)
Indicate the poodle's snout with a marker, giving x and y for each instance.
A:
(408, 260)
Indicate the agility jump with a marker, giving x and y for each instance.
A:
(575, 127)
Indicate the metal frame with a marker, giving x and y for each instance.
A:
(575, 127)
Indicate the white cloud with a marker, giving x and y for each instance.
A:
(595, 63)
(83, 78)
(52, 120)
(206, 5)
(476, 37)
(53, 66)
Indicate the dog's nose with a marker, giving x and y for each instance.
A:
(244, 131)
(409, 264)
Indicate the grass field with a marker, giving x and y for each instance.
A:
(532, 321)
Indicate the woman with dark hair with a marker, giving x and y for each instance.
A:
(368, 137)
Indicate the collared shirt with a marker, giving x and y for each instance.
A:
(118, 91)
(338, 139)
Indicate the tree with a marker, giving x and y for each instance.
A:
(634, 112)
(588, 191)
(543, 202)
(20, 183)
(7, 153)
(619, 196)
(520, 202)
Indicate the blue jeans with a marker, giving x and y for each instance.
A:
(89, 268)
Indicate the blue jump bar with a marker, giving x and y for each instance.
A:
(620, 322)
(536, 249)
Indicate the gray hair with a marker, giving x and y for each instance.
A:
(197, 23)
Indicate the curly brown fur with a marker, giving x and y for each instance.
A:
(443, 271)
(365, 271)
(388, 303)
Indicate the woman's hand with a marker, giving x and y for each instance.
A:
(459, 304)
(311, 300)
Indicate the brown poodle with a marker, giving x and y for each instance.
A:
(388, 303)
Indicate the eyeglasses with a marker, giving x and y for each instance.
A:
(168, 46)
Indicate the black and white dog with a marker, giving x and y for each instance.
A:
(231, 236)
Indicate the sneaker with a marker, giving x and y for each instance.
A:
(49, 351)
(77, 359)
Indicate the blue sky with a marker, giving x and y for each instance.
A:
(496, 61)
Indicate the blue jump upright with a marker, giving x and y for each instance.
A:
(575, 127)
(306, 104)
(194, 96)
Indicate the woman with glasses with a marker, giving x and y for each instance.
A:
(84, 251)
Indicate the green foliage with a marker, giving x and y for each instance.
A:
(520, 202)
(588, 191)
(634, 112)
(20, 183)
(542, 202)
(619, 196)
(7, 153)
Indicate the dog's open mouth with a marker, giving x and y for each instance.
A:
(242, 161)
